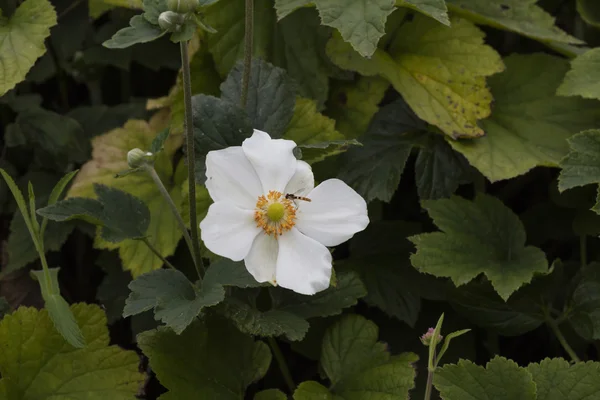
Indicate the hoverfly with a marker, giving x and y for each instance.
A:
(293, 197)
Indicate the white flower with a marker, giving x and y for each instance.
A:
(281, 239)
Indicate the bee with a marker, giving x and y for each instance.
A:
(293, 197)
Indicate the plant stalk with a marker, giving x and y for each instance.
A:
(283, 367)
(190, 154)
(164, 192)
(430, 372)
(248, 39)
(157, 253)
(561, 339)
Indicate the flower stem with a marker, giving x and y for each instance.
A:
(248, 36)
(157, 254)
(430, 372)
(163, 191)
(285, 371)
(190, 154)
(563, 342)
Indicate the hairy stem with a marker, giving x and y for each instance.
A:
(248, 36)
(561, 339)
(165, 194)
(429, 387)
(157, 253)
(285, 371)
(190, 154)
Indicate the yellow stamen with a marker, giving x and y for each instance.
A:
(274, 213)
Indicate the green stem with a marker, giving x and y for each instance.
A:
(248, 36)
(563, 342)
(285, 371)
(190, 153)
(583, 250)
(165, 194)
(157, 254)
(430, 372)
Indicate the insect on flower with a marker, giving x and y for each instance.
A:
(294, 197)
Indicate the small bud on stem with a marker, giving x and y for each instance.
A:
(171, 21)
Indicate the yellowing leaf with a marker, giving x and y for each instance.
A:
(22, 40)
(109, 156)
(440, 71)
(37, 363)
(530, 125)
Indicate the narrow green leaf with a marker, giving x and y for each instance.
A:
(34, 222)
(20, 203)
(447, 340)
(58, 309)
(55, 195)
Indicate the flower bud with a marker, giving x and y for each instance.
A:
(182, 6)
(171, 21)
(136, 158)
(428, 337)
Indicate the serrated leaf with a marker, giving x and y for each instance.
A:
(477, 237)
(435, 9)
(530, 124)
(139, 31)
(109, 157)
(270, 394)
(501, 379)
(431, 73)
(582, 165)
(314, 132)
(174, 299)
(271, 97)
(361, 368)
(22, 39)
(353, 104)
(95, 372)
(584, 303)
(556, 379)
(520, 16)
(374, 169)
(212, 358)
(360, 22)
(582, 78)
(227, 44)
(218, 124)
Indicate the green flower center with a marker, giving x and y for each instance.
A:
(275, 212)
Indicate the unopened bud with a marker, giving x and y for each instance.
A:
(136, 158)
(428, 336)
(182, 6)
(171, 21)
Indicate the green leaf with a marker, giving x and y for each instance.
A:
(18, 196)
(353, 104)
(286, 7)
(22, 39)
(374, 169)
(359, 367)
(427, 64)
(582, 165)
(530, 124)
(501, 379)
(520, 16)
(589, 11)
(435, 9)
(447, 341)
(271, 97)
(311, 390)
(109, 157)
(331, 301)
(230, 273)
(584, 303)
(483, 236)
(58, 309)
(159, 141)
(227, 44)
(96, 120)
(555, 379)
(360, 22)
(218, 124)
(139, 31)
(211, 359)
(314, 132)
(582, 79)
(175, 300)
(44, 366)
(270, 394)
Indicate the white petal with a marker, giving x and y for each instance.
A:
(303, 264)
(262, 259)
(231, 177)
(334, 215)
(273, 160)
(228, 230)
(303, 180)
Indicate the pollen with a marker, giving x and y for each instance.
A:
(274, 213)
